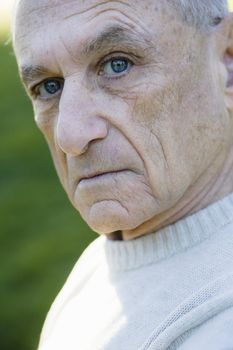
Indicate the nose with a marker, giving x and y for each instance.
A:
(80, 121)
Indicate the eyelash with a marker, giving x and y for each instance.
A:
(116, 55)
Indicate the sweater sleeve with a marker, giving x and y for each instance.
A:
(214, 334)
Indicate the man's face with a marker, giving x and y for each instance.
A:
(128, 100)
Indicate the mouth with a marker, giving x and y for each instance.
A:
(97, 175)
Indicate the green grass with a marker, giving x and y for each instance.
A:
(41, 234)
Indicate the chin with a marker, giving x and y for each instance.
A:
(108, 216)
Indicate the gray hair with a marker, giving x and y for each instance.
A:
(203, 14)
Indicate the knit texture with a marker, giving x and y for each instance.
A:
(172, 289)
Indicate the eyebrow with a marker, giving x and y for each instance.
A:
(111, 37)
(30, 73)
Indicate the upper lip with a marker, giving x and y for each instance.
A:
(90, 175)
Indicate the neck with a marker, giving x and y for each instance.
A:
(213, 185)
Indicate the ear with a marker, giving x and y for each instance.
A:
(224, 39)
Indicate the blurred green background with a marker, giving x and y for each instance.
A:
(41, 235)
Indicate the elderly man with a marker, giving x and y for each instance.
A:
(135, 99)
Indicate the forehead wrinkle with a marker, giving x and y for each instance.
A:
(33, 7)
(27, 9)
(98, 5)
(131, 21)
(30, 8)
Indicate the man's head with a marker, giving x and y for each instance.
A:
(138, 90)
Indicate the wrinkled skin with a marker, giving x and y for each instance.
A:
(164, 126)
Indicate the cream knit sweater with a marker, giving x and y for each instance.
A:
(172, 289)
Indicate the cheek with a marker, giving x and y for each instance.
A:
(168, 145)
(46, 120)
(45, 115)
(183, 133)
(155, 115)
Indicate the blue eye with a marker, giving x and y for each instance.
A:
(49, 88)
(119, 66)
(116, 66)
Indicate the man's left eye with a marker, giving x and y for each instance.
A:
(115, 67)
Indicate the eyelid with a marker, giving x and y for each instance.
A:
(120, 54)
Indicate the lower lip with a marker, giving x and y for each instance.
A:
(101, 176)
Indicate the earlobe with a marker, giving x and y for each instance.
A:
(228, 64)
(225, 41)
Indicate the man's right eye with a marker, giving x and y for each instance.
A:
(49, 88)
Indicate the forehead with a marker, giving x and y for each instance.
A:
(45, 25)
(41, 14)
(33, 12)
(55, 7)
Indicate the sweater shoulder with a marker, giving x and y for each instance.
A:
(82, 271)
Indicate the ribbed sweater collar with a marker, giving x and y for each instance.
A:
(185, 233)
